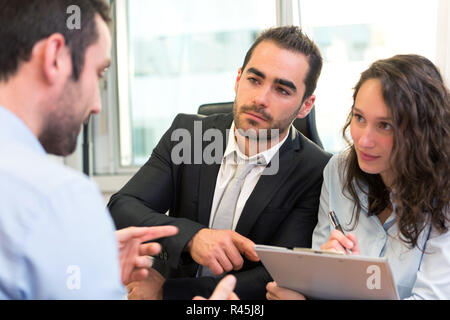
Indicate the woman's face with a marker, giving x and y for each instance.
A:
(371, 130)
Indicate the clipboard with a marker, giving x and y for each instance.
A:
(319, 274)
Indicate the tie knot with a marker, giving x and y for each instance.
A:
(243, 168)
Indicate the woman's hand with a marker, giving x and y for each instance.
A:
(274, 292)
(340, 242)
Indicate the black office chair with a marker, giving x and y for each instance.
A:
(307, 125)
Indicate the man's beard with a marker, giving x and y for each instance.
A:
(62, 127)
(274, 129)
(59, 139)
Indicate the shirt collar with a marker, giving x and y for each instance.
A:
(262, 158)
(12, 128)
(392, 218)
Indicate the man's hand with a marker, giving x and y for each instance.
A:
(274, 292)
(151, 288)
(221, 250)
(133, 255)
(148, 289)
(224, 290)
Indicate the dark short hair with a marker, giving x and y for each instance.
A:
(292, 38)
(23, 23)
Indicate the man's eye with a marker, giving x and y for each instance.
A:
(253, 80)
(283, 91)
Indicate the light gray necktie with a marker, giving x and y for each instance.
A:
(223, 219)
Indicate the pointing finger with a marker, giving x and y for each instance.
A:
(158, 232)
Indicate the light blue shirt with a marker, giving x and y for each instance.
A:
(417, 275)
(57, 239)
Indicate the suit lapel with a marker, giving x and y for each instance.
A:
(268, 185)
(209, 172)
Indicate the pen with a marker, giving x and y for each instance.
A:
(335, 222)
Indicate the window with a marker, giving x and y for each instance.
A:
(172, 56)
(351, 34)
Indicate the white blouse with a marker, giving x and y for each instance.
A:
(418, 275)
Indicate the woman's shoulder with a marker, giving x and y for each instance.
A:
(336, 165)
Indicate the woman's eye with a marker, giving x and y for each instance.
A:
(385, 126)
(358, 117)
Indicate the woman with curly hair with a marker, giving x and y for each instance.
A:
(390, 188)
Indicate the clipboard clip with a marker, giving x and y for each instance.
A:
(317, 251)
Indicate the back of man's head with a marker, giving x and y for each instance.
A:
(292, 38)
(25, 22)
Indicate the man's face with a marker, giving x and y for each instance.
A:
(270, 89)
(78, 99)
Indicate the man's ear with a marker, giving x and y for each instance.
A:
(236, 85)
(57, 62)
(307, 105)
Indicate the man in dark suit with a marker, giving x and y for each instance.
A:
(277, 200)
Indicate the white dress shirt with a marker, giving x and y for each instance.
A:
(228, 168)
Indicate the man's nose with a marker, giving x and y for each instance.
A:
(97, 104)
(262, 97)
(96, 109)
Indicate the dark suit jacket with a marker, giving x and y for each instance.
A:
(281, 211)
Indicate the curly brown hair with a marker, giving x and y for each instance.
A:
(419, 101)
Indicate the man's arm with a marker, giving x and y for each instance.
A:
(296, 230)
(145, 199)
(71, 249)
